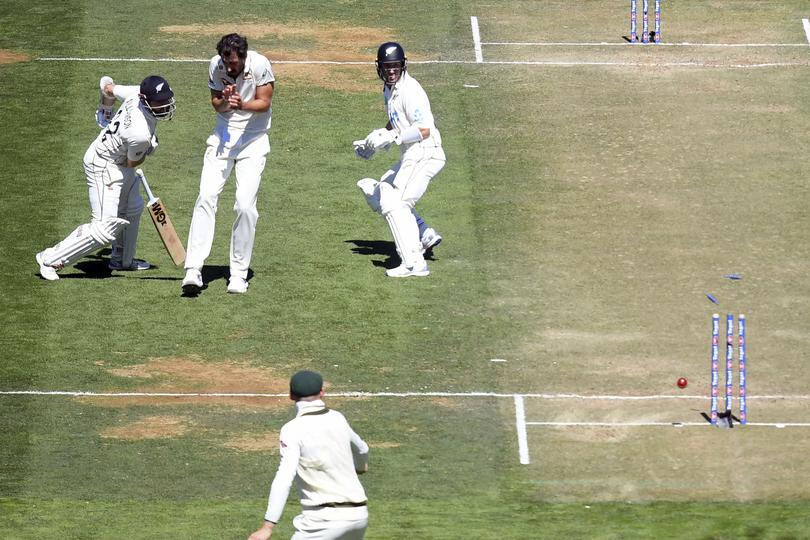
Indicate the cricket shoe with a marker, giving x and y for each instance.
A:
(405, 271)
(192, 284)
(136, 264)
(47, 272)
(237, 285)
(430, 240)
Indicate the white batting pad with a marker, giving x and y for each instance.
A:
(84, 239)
(406, 236)
(369, 188)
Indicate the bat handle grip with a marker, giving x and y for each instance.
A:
(142, 176)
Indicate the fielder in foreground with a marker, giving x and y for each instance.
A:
(125, 140)
(321, 452)
(241, 84)
(411, 127)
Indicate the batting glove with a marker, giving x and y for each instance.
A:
(104, 114)
(153, 144)
(381, 139)
(362, 150)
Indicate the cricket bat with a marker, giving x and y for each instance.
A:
(163, 224)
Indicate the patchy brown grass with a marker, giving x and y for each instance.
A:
(383, 445)
(446, 402)
(192, 375)
(309, 42)
(11, 57)
(266, 442)
(151, 427)
(349, 79)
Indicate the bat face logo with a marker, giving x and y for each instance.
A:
(159, 213)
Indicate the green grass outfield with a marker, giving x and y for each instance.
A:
(595, 193)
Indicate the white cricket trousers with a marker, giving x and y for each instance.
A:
(331, 524)
(113, 192)
(411, 176)
(113, 189)
(247, 161)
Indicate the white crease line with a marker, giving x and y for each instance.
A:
(548, 396)
(663, 424)
(461, 62)
(649, 64)
(476, 33)
(625, 44)
(520, 425)
(196, 60)
(616, 424)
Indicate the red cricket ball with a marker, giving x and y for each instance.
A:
(682, 382)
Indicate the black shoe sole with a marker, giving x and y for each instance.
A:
(191, 290)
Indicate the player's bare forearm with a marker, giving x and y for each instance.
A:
(264, 532)
(109, 94)
(230, 100)
(255, 105)
(219, 99)
(220, 104)
(235, 103)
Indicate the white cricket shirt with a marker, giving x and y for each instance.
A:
(257, 72)
(321, 452)
(407, 104)
(129, 134)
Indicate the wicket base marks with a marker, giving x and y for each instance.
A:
(715, 373)
(645, 21)
(715, 365)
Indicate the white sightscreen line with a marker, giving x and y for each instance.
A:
(520, 424)
(479, 56)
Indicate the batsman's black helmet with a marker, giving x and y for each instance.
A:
(390, 53)
(158, 97)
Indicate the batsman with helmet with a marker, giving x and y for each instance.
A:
(411, 127)
(126, 138)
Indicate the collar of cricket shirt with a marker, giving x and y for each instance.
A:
(310, 407)
(246, 73)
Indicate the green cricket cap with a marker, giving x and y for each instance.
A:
(306, 383)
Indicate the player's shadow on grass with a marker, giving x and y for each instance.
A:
(91, 269)
(95, 266)
(382, 247)
(377, 247)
